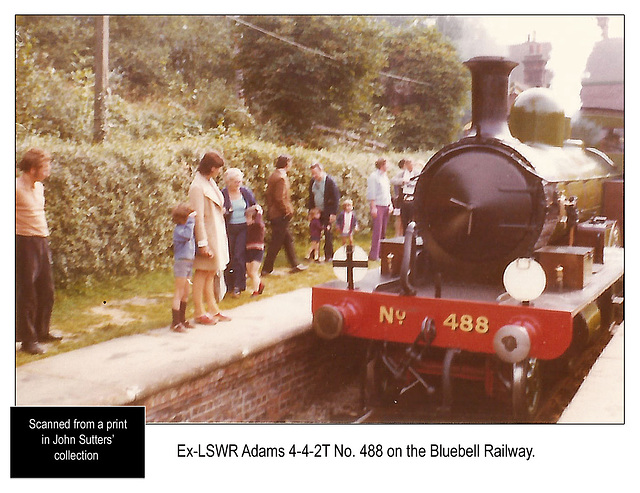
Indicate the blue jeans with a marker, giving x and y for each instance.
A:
(236, 273)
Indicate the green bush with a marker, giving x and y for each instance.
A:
(50, 102)
(108, 205)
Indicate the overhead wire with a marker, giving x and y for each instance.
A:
(316, 51)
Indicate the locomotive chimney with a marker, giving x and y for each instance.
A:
(490, 95)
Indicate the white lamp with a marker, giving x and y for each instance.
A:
(524, 279)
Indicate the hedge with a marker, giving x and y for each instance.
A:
(108, 204)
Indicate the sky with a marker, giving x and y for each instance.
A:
(572, 39)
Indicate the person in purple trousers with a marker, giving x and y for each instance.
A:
(379, 198)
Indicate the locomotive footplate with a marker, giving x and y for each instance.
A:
(472, 332)
(467, 316)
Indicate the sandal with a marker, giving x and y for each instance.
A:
(219, 317)
(206, 319)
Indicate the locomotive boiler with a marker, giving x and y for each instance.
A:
(508, 266)
(501, 193)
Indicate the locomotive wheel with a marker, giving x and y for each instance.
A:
(377, 383)
(526, 390)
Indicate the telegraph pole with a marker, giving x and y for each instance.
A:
(101, 69)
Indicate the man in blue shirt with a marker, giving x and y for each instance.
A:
(324, 195)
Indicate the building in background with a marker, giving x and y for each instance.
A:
(602, 94)
(532, 70)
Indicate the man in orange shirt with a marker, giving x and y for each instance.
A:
(34, 279)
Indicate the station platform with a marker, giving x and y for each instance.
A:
(600, 398)
(127, 369)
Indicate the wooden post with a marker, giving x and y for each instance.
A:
(101, 68)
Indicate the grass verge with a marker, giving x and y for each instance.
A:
(87, 315)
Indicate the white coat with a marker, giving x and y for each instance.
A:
(207, 200)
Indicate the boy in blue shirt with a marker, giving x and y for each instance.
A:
(184, 251)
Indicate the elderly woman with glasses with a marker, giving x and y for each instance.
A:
(237, 199)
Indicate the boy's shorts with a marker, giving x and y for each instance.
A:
(182, 267)
(254, 255)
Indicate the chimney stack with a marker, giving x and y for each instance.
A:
(490, 95)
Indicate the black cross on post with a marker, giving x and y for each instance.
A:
(350, 264)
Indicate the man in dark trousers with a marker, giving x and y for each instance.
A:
(34, 278)
(279, 214)
(324, 195)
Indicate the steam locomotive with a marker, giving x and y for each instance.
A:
(509, 266)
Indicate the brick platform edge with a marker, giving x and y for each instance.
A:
(264, 387)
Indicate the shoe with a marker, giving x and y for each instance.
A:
(32, 348)
(205, 319)
(219, 317)
(261, 288)
(50, 338)
(178, 328)
(298, 268)
(187, 325)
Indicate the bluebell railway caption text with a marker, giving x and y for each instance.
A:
(340, 451)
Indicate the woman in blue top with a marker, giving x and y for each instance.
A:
(237, 199)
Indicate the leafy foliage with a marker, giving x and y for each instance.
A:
(178, 88)
(49, 101)
(296, 88)
(108, 205)
(426, 112)
(170, 75)
(188, 75)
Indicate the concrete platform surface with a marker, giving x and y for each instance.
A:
(600, 398)
(118, 371)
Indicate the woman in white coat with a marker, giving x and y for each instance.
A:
(212, 255)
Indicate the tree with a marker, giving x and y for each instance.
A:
(427, 101)
(301, 71)
(156, 54)
(50, 99)
(179, 67)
